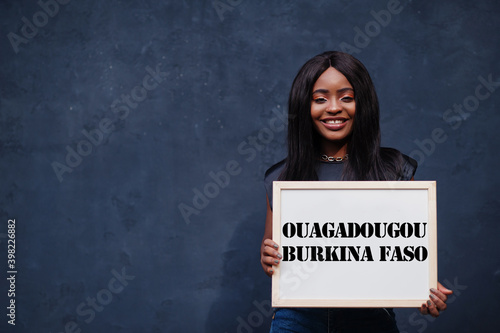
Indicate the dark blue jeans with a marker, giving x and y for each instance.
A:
(333, 320)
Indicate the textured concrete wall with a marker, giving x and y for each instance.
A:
(113, 114)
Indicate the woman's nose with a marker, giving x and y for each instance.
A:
(333, 107)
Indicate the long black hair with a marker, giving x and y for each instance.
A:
(367, 161)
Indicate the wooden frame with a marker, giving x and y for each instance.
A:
(339, 277)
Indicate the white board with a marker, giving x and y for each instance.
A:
(354, 244)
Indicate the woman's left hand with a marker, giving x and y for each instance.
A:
(436, 302)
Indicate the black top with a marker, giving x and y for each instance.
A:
(331, 171)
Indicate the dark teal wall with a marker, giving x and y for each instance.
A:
(115, 115)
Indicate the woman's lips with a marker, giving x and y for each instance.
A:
(334, 124)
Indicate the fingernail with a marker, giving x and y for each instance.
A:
(270, 271)
(275, 246)
(433, 290)
(279, 255)
(433, 296)
(276, 261)
(428, 303)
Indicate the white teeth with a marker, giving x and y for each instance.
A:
(336, 121)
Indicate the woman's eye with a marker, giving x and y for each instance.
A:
(320, 100)
(347, 99)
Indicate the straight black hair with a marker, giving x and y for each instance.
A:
(367, 160)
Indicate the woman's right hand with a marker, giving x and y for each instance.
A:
(269, 256)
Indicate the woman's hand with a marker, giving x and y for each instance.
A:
(437, 301)
(269, 256)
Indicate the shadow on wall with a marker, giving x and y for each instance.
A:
(244, 303)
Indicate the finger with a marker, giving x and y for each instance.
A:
(423, 309)
(438, 303)
(268, 269)
(271, 261)
(439, 294)
(444, 290)
(433, 311)
(271, 251)
(271, 243)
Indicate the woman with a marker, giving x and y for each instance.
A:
(334, 134)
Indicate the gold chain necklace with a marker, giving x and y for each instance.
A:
(327, 158)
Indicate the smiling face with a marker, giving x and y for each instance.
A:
(332, 111)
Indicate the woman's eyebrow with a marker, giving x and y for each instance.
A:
(326, 91)
(345, 89)
(321, 91)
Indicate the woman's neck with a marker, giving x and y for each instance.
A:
(334, 149)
